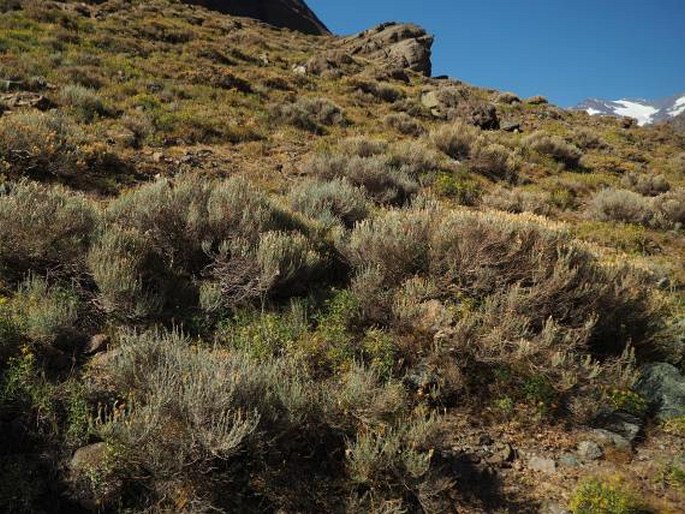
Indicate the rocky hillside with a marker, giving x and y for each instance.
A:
(249, 269)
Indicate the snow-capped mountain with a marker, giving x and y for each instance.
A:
(646, 112)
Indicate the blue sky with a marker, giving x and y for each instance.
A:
(567, 50)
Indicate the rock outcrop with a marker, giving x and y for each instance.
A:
(292, 14)
(395, 45)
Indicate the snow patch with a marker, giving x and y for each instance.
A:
(642, 113)
(678, 107)
(592, 111)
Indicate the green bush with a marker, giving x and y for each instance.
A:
(382, 182)
(555, 147)
(494, 161)
(41, 145)
(310, 114)
(621, 205)
(404, 124)
(455, 140)
(329, 201)
(596, 496)
(85, 102)
(518, 200)
(43, 229)
(646, 185)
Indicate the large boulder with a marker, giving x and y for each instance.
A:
(395, 45)
(292, 14)
(664, 388)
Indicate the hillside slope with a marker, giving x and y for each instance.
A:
(248, 269)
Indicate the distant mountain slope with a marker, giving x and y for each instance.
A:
(646, 112)
(293, 14)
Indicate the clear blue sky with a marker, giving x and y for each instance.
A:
(567, 50)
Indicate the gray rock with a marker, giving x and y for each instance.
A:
(664, 388)
(611, 438)
(396, 45)
(589, 450)
(553, 508)
(511, 127)
(568, 460)
(485, 117)
(542, 464)
(622, 423)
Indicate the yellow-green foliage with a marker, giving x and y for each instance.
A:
(605, 496)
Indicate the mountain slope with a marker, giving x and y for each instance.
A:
(644, 111)
(248, 269)
(293, 14)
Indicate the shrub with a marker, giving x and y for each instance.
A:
(362, 146)
(555, 147)
(328, 201)
(588, 139)
(309, 114)
(595, 496)
(678, 164)
(383, 182)
(38, 145)
(517, 201)
(455, 140)
(670, 208)
(413, 157)
(189, 437)
(646, 185)
(161, 240)
(378, 90)
(85, 102)
(494, 161)
(43, 229)
(404, 124)
(44, 313)
(621, 205)
(465, 190)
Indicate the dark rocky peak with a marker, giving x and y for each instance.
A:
(396, 45)
(292, 14)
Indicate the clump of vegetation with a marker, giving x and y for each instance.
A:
(455, 140)
(622, 205)
(334, 200)
(311, 114)
(646, 185)
(404, 123)
(86, 102)
(494, 161)
(555, 147)
(595, 496)
(39, 145)
(46, 230)
(382, 181)
(518, 200)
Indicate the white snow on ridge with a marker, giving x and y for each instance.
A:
(642, 113)
(592, 111)
(678, 107)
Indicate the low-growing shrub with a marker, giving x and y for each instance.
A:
(38, 145)
(160, 241)
(555, 147)
(494, 161)
(383, 182)
(462, 188)
(84, 101)
(517, 201)
(331, 200)
(621, 205)
(43, 229)
(646, 185)
(404, 124)
(413, 157)
(588, 139)
(455, 140)
(310, 114)
(670, 208)
(597, 496)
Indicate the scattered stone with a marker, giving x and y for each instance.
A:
(542, 464)
(26, 99)
(511, 127)
(663, 386)
(537, 100)
(507, 98)
(568, 460)
(485, 117)
(589, 450)
(622, 423)
(610, 438)
(98, 343)
(553, 508)
(503, 454)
